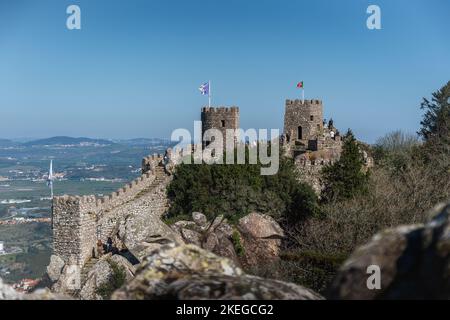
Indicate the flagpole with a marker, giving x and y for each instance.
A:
(209, 93)
(50, 175)
(51, 179)
(303, 95)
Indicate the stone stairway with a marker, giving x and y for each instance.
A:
(160, 175)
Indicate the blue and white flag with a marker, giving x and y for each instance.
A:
(50, 175)
(204, 89)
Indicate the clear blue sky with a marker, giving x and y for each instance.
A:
(134, 68)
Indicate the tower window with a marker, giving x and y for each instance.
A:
(222, 123)
(311, 117)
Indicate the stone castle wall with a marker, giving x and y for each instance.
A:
(309, 171)
(149, 163)
(79, 221)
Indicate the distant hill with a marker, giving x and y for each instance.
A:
(68, 141)
(144, 142)
(7, 143)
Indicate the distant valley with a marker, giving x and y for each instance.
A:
(80, 165)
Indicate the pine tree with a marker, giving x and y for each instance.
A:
(345, 178)
(435, 129)
(436, 120)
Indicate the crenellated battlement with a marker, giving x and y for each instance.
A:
(233, 109)
(77, 219)
(221, 118)
(313, 163)
(299, 102)
(97, 205)
(149, 163)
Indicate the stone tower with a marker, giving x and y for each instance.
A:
(220, 118)
(303, 121)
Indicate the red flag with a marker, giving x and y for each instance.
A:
(300, 84)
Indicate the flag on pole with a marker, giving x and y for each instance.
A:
(204, 89)
(50, 174)
(50, 177)
(301, 86)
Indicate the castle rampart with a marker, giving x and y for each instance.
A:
(77, 221)
(73, 227)
(149, 163)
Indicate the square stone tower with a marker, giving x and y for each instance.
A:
(222, 118)
(303, 120)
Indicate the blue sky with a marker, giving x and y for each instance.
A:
(134, 68)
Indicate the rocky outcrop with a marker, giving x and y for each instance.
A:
(414, 263)
(189, 272)
(54, 269)
(261, 238)
(255, 239)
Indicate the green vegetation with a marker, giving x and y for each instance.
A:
(409, 178)
(117, 280)
(236, 190)
(346, 178)
(236, 239)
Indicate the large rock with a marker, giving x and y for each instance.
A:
(260, 237)
(260, 226)
(214, 236)
(199, 218)
(256, 239)
(414, 262)
(189, 272)
(129, 269)
(100, 274)
(55, 268)
(69, 278)
(8, 293)
(191, 236)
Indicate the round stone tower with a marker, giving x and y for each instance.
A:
(220, 118)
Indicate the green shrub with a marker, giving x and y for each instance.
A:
(236, 190)
(345, 178)
(236, 239)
